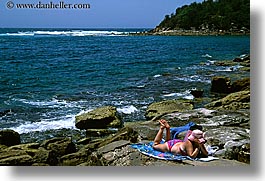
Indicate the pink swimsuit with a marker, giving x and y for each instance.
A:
(171, 143)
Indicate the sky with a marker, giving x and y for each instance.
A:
(101, 14)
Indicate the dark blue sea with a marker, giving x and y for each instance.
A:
(47, 76)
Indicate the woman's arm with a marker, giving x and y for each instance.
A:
(203, 150)
(192, 150)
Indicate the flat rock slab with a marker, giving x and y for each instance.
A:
(112, 146)
(220, 162)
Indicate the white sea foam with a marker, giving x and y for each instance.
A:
(207, 56)
(158, 75)
(127, 109)
(59, 123)
(84, 112)
(230, 69)
(172, 95)
(140, 86)
(19, 34)
(54, 103)
(67, 33)
(194, 78)
(210, 62)
(185, 95)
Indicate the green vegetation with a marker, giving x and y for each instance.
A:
(212, 15)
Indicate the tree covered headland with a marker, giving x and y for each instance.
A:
(212, 15)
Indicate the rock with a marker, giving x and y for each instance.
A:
(29, 148)
(146, 130)
(9, 137)
(40, 164)
(100, 132)
(246, 69)
(93, 160)
(197, 93)
(222, 163)
(240, 153)
(233, 101)
(242, 59)
(112, 146)
(221, 85)
(225, 63)
(83, 141)
(118, 156)
(100, 118)
(3, 147)
(15, 158)
(59, 146)
(75, 159)
(244, 154)
(237, 59)
(125, 133)
(241, 85)
(43, 156)
(5, 112)
(158, 109)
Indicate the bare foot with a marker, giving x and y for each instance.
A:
(164, 124)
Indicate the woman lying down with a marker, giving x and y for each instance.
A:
(192, 147)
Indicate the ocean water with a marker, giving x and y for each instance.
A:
(47, 76)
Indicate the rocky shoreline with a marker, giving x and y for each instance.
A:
(168, 32)
(225, 120)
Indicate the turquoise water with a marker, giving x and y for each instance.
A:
(48, 76)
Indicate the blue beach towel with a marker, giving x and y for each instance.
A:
(176, 130)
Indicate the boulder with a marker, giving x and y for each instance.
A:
(100, 118)
(233, 101)
(158, 109)
(9, 137)
(221, 85)
(197, 93)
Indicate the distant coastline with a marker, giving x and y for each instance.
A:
(192, 33)
(212, 17)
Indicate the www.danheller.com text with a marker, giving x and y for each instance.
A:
(49, 5)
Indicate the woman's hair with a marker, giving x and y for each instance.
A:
(196, 126)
